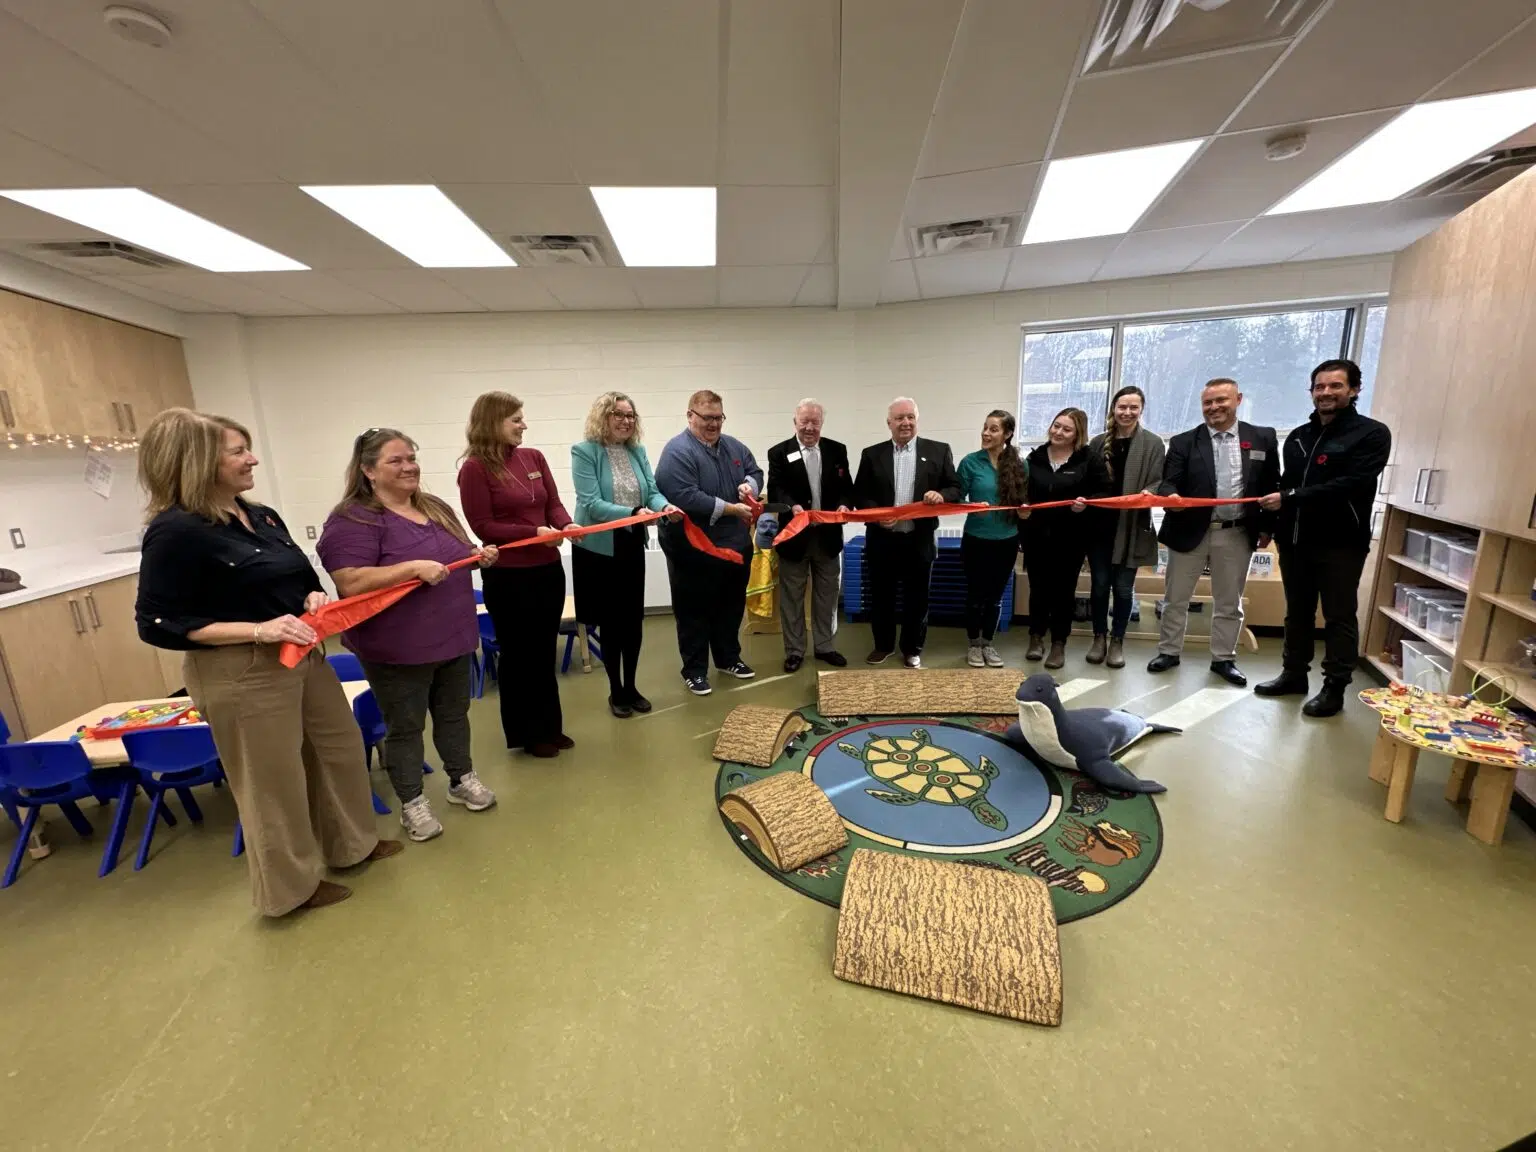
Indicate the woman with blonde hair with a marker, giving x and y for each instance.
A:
(1056, 539)
(221, 579)
(416, 654)
(612, 477)
(507, 495)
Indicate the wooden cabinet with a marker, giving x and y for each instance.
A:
(64, 372)
(67, 653)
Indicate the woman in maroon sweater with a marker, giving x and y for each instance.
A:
(508, 494)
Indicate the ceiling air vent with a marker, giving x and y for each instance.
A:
(104, 257)
(965, 236)
(1483, 174)
(1133, 32)
(552, 251)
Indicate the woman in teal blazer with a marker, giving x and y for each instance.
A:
(613, 479)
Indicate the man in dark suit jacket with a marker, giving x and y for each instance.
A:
(808, 472)
(1222, 458)
(899, 553)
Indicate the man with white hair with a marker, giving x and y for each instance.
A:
(898, 554)
(809, 472)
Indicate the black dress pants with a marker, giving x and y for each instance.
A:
(1053, 563)
(1332, 575)
(987, 564)
(525, 605)
(610, 594)
(709, 597)
(899, 560)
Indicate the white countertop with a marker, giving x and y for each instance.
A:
(49, 571)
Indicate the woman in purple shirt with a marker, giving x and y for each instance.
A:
(416, 654)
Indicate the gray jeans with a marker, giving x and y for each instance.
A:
(406, 694)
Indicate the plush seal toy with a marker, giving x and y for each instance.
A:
(1085, 740)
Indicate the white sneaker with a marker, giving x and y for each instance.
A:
(973, 656)
(417, 819)
(471, 793)
(990, 657)
(912, 661)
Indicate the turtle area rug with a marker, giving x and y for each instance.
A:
(948, 787)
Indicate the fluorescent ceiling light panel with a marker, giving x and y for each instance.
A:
(1105, 194)
(417, 221)
(150, 222)
(1423, 142)
(660, 227)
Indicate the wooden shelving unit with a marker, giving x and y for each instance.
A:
(1408, 625)
(1425, 570)
(1385, 626)
(1519, 605)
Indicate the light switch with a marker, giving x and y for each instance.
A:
(17, 539)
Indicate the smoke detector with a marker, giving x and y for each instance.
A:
(1285, 147)
(137, 26)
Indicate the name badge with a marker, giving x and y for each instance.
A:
(792, 458)
(1256, 454)
(535, 475)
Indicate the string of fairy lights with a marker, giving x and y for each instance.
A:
(17, 441)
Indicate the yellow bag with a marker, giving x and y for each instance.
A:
(763, 585)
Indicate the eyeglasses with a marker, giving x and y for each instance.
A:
(624, 416)
(702, 419)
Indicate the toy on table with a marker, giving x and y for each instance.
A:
(1459, 726)
(142, 717)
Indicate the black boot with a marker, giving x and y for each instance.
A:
(1329, 701)
(1285, 684)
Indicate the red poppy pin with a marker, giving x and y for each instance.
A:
(1246, 444)
(1323, 459)
(737, 463)
(271, 523)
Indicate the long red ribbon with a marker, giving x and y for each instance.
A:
(339, 615)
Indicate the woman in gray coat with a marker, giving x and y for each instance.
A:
(1121, 542)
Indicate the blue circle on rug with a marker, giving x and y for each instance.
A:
(933, 786)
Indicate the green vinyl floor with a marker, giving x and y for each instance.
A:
(594, 964)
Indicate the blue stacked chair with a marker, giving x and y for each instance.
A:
(8, 795)
(349, 668)
(58, 772)
(174, 760)
(490, 650)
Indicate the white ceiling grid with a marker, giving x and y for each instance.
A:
(830, 127)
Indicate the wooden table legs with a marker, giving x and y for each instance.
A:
(1490, 786)
(1405, 761)
(1381, 757)
(1492, 791)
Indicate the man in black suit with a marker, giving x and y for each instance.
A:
(899, 553)
(808, 472)
(1224, 458)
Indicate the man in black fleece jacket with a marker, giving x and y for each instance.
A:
(1329, 470)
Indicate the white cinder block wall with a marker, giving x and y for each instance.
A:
(309, 385)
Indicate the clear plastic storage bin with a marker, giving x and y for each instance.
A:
(1439, 552)
(1416, 545)
(1462, 554)
(1400, 597)
(1443, 619)
(1425, 666)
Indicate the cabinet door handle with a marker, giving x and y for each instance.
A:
(5, 408)
(90, 602)
(1429, 488)
(74, 611)
(133, 425)
(1384, 481)
(1419, 485)
(117, 416)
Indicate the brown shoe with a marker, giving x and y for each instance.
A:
(1058, 656)
(878, 656)
(543, 751)
(1115, 658)
(329, 893)
(1097, 648)
(1036, 648)
(384, 849)
(564, 742)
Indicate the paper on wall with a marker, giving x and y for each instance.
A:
(98, 473)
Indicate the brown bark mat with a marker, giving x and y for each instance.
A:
(753, 734)
(957, 933)
(789, 819)
(919, 692)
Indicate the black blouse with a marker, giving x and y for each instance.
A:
(1083, 475)
(195, 572)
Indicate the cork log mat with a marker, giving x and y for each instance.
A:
(755, 735)
(957, 933)
(919, 692)
(789, 819)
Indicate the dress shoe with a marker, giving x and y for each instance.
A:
(1285, 684)
(792, 663)
(620, 708)
(1098, 649)
(1162, 662)
(544, 751)
(1036, 649)
(836, 659)
(1115, 657)
(1058, 656)
(1329, 700)
(878, 656)
(1229, 671)
(384, 849)
(327, 893)
(563, 742)
(638, 702)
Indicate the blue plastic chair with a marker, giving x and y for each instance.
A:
(8, 795)
(370, 721)
(346, 666)
(173, 760)
(490, 649)
(58, 772)
(568, 629)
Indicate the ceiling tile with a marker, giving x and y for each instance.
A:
(759, 226)
(770, 287)
(27, 164)
(900, 282)
(963, 274)
(414, 289)
(1177, 101)
(781, 77)
(1011, 63)
(221, 293)
(968, 195)
(1328, 73)
(319, 291)
(1063, 262)
(1232, 180)
(1273, 239)
(594, 288)
(1510, 64)
(674, 287)
(1390, 229)
(145, 291)
(819, 289)
(1163, 252)
(501, 289)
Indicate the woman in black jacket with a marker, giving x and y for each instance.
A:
(1056, 539)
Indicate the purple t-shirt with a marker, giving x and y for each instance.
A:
(434, 622)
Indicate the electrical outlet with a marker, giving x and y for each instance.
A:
(17, 539)
(309, 531)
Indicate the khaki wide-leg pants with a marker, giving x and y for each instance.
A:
(294, 758)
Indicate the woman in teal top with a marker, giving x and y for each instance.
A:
(613, 480)
(996, 474)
